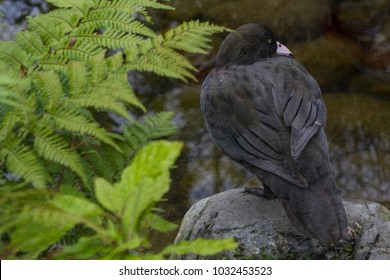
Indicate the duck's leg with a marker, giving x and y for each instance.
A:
(264, 192)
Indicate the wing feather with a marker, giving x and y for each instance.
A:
(250, 110)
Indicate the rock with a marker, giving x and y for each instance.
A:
(13, 15)
(264, 232)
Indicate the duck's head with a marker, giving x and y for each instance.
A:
(249, 43)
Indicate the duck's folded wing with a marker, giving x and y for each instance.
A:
(298, 100)
(242, 121)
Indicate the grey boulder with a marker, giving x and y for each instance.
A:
(263, 230)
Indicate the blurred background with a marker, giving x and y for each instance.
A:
(344, 44)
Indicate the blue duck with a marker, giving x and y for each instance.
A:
(265, 111)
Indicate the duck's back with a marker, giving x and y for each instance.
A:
(269, 116)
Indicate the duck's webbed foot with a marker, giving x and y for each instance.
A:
(264, 192)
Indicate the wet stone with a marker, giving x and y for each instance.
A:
(264, 232)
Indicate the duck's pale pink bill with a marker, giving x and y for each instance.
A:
(283, 50)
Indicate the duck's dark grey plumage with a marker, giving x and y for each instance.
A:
(269, 116)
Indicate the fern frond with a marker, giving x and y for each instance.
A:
(111, 39)
(104, 163)
(155, 4)
(81, 51)
(161, 70)
(54, 63)
(77, 78)
(9, 94)
(23, 162)
(49, 87)
(102, 19)
(153, 128)
(9, 98)
(160, 54)
(119, 90)
(169, 55)
(30, 43)
(72, 121)
(9, 121)
(14, 56)
(67, 20)
(53, 147)
(50, 34)
(104, 81)
(101, 102)
(103, 93)
(133, 7)
(129, 7)
(80, 5)
(192, 36)
(160, 125)
(162, 61)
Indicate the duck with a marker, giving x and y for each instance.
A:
(265, 111)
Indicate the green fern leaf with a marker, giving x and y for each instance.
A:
(192, 36)
(50, 34)
(129, 7)
(30, 43)
(50, 88)
(153, 51)
(119, 90)
(54, 63)
(105, 162)
(81, 51)
(101, 102)
(8, 124)
(154, 127)
(102, 19)
(67, 20)
(111, 38)
(77, 78)
(103, 94)
(80, 5)
(72, 121)
(24, 163)
(153, 4)
(14, 56)
(11, 92)
(160, 125)
(97, 69)
(53, 147)
(9, 98)
(152, 65)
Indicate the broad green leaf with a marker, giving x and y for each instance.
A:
(143, 183)
(45, 223)
(84, 248)
(80, 209)
(108, 196)
(201, 246)
(158, 223)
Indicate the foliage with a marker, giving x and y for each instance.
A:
(118, 221)
(71, 64)
(60, 80)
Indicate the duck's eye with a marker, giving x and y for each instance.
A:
(269, 41)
